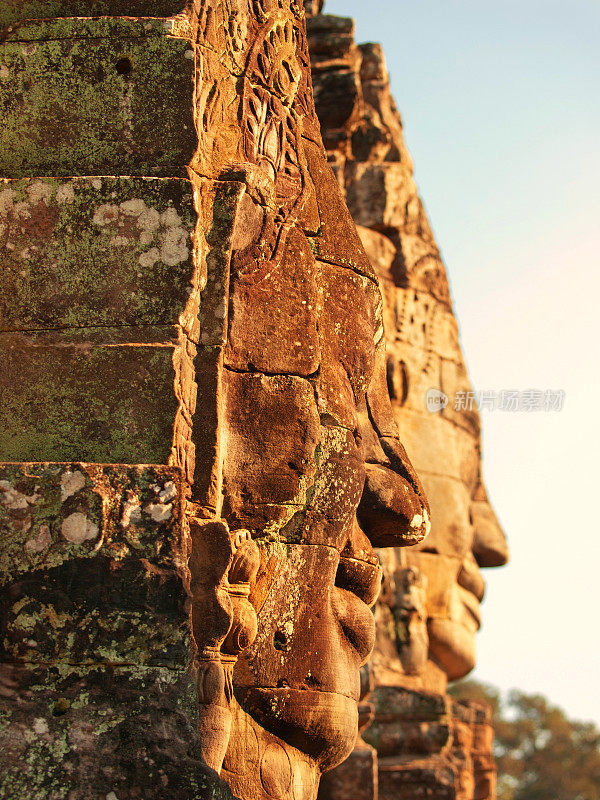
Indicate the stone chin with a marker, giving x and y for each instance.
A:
(321, 724)
(451, 646)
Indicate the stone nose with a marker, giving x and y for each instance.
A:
(490, 547)
(393, 510)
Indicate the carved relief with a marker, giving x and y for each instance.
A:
(222, 568)
(296, 369)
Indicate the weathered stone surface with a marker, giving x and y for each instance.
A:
(87, 551)
(380, 195)
(349, 325)
(96, 97)
(124, 730)
(274, 313)
(411, 705)
(283, 771)
(96, 634)
(121, 500)
(338, 241)
(335, 69)
(312, 6)
(475, 752)
(355, 779)
(433, 779)
(19, 10)
(205, 456)
(277, 415)
(219, 206)
(95, 251)
(259, 390)
(63, 399)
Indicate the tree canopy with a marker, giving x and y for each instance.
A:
(541, 754)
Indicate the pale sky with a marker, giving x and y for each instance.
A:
(501, 110)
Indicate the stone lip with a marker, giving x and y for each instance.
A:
(32, 30)
(322, 724)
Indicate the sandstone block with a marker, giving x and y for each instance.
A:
(92, 565)
(432, 779)
(96, 97)
(95, 251)
(273, 318)
(350, 307)
(355, 779)
(206, 434)
(218, 205)
(338, 486)
(407, 738)
(382, 195)
(454, 379)
(65, 397)
(96, 635)
(128, 732)
(394, 702)
(330, 36)
(275, 415)
(335, 64)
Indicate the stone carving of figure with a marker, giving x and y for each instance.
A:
(306, 422)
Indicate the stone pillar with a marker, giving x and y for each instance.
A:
(100, 246)
(484, 766)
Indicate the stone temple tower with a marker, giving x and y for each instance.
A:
(417, 741)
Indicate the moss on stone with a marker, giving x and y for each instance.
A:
(95, 251)
(96, 103)
(132, 511)
(71, 725)
(65, 401)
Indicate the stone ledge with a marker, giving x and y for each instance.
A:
(13, 11)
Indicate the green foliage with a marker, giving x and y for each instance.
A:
(541, 754)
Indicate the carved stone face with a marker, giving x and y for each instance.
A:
(467, 537)
(423, 355)
(465, 532)
(307, 455)
(308, 433)
(363, 134)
